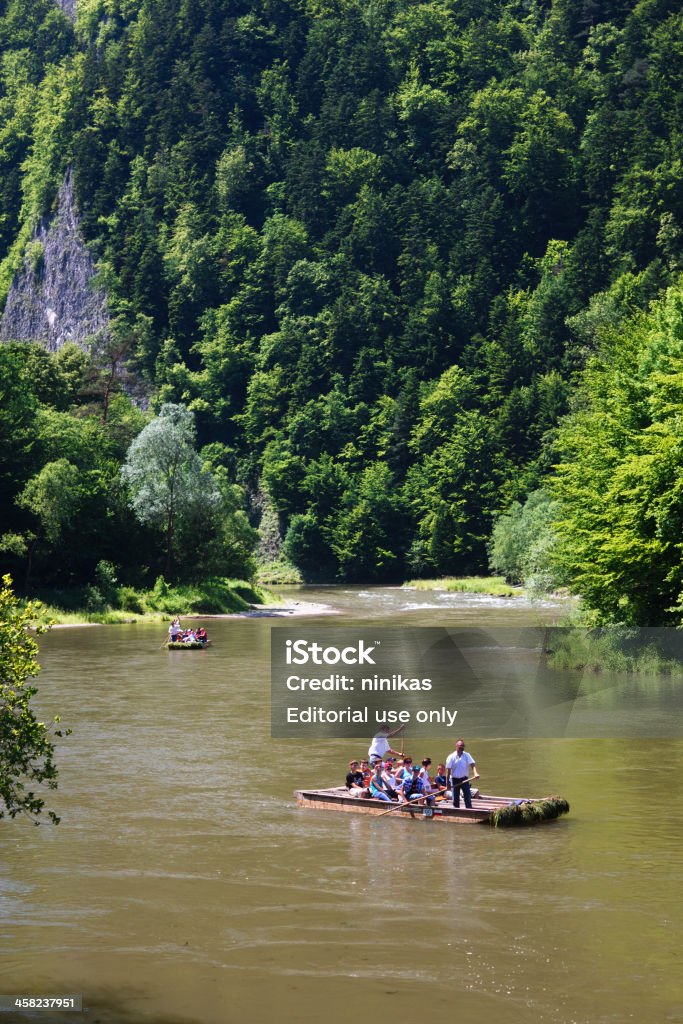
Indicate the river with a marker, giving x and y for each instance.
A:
(184, 885)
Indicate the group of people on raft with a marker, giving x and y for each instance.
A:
(178, 635)
(390, 776)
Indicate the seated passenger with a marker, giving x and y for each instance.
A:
(354, 780)
(440, 777)
(388, 776)
(424, 774)
(404, 771)
(413, 788)
(201, 635)
(379, 789)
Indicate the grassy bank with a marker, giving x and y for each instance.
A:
(279, 573)
(495, 586)
(613, 649)
(126, 604)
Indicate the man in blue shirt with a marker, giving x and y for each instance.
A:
(413, 787)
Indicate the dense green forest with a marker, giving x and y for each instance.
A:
(407, 263)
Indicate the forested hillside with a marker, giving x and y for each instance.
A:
(371, 244)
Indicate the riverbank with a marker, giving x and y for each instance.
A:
(77, 606)
(220, 598)
(296, 608)
(645, 652)
(494, 586)
(575, 645)
(279, 573)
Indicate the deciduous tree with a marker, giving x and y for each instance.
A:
(26, 748)
(165, 475)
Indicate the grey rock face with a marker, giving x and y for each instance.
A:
(52, 299)
(69, 8)
(269, 527)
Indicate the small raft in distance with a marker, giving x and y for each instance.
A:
(498, 811)
(187, 645)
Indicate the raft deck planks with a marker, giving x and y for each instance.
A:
(337, 799)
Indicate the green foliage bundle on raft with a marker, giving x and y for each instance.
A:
(190, 645)
(528, 812)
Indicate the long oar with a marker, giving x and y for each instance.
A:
(460, 783)
(416, 800)
(463, 781)
(457, 785)
(412, 800)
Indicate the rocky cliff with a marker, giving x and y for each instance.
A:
(69, 8)
(52, 299)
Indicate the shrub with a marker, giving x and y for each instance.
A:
(129, 600)
(106, 581)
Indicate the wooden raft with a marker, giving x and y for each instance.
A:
(187, 645)
(483, 809)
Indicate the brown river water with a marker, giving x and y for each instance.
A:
(184, 885)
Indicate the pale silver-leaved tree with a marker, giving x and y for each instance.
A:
(165, 476)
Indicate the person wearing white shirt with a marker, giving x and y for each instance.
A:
(380, 746)
(388, 776)
(424, 774)
(458, 766)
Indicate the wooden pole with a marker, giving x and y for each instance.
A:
(412, 800)
(416, 800)
(463, 781)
